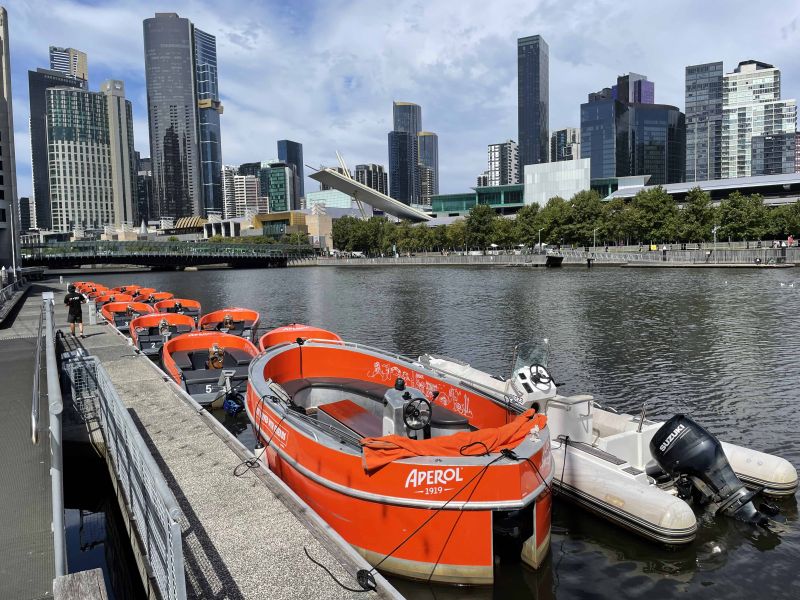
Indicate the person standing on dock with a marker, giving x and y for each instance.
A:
(73, 301)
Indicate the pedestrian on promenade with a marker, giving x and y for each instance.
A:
(73, 301)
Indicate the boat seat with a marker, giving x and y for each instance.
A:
(374, 390)
(446, 418)
(236, 357)
(182, 360)
(353, 417)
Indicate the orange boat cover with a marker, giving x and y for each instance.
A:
(379, 452)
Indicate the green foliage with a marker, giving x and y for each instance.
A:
(480, 226)
(698, 217)
(654, 216)
(527, 225)
(742, 217)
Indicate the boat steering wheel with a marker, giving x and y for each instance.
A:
(417, 414)
(540, 376)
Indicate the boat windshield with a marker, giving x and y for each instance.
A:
(531, 353)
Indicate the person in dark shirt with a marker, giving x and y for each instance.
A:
(73, 301)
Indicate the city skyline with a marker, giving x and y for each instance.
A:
(334, 87)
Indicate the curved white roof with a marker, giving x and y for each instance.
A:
(367, 195)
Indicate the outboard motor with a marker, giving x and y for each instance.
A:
(683, 448)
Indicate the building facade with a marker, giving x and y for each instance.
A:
(291, 153)
(280, 178)
(533, 100)
(329, 199)
(229, 208)
(39, 82)
(373, 176)
(773, 154)
(752, 106)
(90, 157)
(25, 214)
(704, 121)
(183, 110)
(246, 191)
(404, 176)
(9, 221)
(562, 178)
(634, 88)
(503, 164)
(69, 61)
(565, 144)
(144, 189)
(428, 166)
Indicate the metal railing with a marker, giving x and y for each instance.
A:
(37, 362)
(56, 410)
(152, 506)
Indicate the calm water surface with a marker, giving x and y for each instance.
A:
(720, 345)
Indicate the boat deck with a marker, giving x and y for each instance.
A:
(27, 561)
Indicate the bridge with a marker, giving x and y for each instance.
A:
(162, 254)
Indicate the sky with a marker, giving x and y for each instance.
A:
(325, 73)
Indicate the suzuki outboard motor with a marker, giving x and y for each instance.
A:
(683, 448)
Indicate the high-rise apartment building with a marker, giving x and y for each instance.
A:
(246, 194)
(39, 82)
(565, 144)
(503, 165)
(797, 152)
(91, 157)
(280, 178)
(373, 176)
(413, 156)
(292, 153)
(624, 138)
(144, 189)
(704, 121)
(70, 62)
(25, 214)
(183, 110)
(229, 207)
(773, 154)
(752, 107)
(533, 100)
(9, 222)
(428, 165)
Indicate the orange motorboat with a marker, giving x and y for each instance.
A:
(111, 296)
(150, 332)
(131, 289)
(181, 306)
(120, 314)
(424, 476)
(94, 291)
(211, 366)
(143, 294)
(157, 297)
(234, 321)
(290, 333)
(82, 287)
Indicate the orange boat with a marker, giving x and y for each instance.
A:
(120, 314)
(157, 297)
(94, 291)
(181, 306)
(290, 333)
(150, 332)
(242, 322)
(83, 287)
(111, 296)
(424, 476)
(143, 294)
(211, 366)
(132, 290)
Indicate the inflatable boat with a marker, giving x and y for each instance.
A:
(242, 322)
(210, 366)
(181, 306)
(425, 477)
(644, 475)
(120, 314)
(150, 332)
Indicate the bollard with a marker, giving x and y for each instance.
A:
(92, 313)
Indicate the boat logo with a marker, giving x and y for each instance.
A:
(418, 477)
(671, 437)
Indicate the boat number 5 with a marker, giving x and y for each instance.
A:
(209, 387)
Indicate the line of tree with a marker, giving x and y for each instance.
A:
(650, 217)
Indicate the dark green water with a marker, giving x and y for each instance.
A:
(722, 346)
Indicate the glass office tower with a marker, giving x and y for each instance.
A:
(703, 121)
(533, 100)
(209, 110)
(292, 153)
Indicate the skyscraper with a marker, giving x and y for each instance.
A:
(246, 194)
(69, 61)
(25, 215)
(373, 176)
(292, 153)
(428, 165)
(634, 89)
(565, 144)
(503, 164)
(280, 179)
(39, 82)
(704, 121)
(404, 182)
(9, 222)
(229, 207)
(183, 109)
(752, 107)
(91, 157)
(144, 189)
(533, 100)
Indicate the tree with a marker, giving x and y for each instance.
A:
(480, 224)
(526, 225)
(341, 232)
(742, 217)
(697, 217)
(655, 216)
(457, 235)
(554, 220)
(584, 217)
(504, 232)
(295, 239)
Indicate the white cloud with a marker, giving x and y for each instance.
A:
(325, 73)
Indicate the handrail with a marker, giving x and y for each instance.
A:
(56, 409)
(37, 366)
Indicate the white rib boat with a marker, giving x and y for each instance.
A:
(644, 475)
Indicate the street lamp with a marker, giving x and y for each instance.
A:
(594, 242)
(714, 231)
(539, 233)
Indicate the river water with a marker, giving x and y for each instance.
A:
(719, 345)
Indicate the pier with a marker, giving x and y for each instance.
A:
(206, 518)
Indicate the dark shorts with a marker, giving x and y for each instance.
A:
(74, 318)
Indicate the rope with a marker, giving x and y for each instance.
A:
(251, 463)
(364, 577)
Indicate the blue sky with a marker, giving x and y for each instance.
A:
(325, 73)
